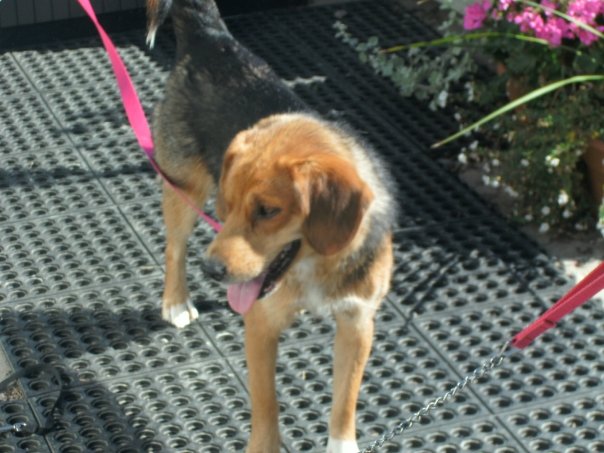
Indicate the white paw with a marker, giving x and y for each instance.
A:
(342, 446)
(180, 315)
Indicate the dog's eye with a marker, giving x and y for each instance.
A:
(266, 212)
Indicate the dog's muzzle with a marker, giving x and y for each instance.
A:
(214, 269)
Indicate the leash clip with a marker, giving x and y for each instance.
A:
(17, 428)
(526, 337)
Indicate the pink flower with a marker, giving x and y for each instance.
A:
(504, 5)
(475, 14)
(586, 11)
(542, 22)
(501, 7)
(553, 31)
(547, 4)
(527, 20)
(585, 36)
(545, 25)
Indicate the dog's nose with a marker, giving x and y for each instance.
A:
(214, 269)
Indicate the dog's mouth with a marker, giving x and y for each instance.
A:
(241, 296)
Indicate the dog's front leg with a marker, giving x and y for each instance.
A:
(354, 336)
(261, 342)
(179, 220)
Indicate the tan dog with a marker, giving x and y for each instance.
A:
(307, 211)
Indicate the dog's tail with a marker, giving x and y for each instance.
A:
(157, 12)
(187, 14)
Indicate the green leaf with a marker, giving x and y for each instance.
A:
(461, 39)
(535, 94)
(521, 64)
(586, 63)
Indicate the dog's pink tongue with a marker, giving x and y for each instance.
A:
(241, 296)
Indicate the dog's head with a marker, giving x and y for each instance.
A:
(286, 183)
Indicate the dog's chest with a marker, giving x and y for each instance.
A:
(312, 294)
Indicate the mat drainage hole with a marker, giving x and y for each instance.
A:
(178, 442)
(471, 445)
(540, 445)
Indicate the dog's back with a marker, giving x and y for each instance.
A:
(216, 82)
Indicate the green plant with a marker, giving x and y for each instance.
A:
(547, 59)
(426, 75)
(534, 155)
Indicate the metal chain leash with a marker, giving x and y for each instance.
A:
(488, 365)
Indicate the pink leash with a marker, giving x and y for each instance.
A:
(584, 290)
(135, 113)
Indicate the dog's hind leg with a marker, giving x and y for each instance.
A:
(179, 220)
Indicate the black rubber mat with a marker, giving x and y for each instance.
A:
(81, 271)
(21, 12)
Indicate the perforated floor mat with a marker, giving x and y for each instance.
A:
(81, 272)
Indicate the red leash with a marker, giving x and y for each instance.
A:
(587, 288)
(135, 113)
(577, 296)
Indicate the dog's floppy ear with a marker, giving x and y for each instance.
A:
(221, 208)
(334, 200)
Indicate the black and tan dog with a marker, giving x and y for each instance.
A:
(307, 210)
